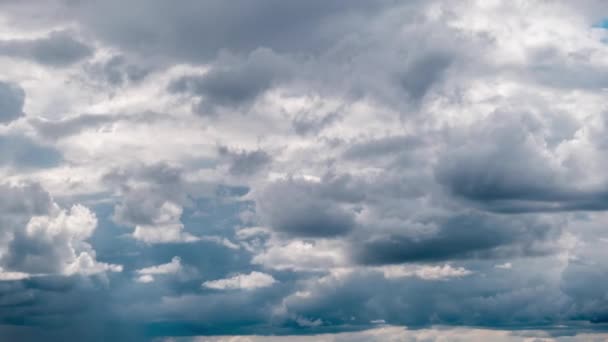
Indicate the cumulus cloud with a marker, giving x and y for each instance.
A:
(53, 240)
(353, 164)
(153, 205)
(165, 227)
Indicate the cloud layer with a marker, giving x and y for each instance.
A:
(333, 170)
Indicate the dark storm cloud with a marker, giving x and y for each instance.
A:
(12, 98)
(58, 48)
(21, 152)
(464, 236)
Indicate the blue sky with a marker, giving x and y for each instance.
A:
(313, 171)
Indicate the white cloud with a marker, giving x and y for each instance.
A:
(301, 255)
(253, 280)
(146, 274)
(64, 233)
(7, 275)
(424, 272)
(146, 278)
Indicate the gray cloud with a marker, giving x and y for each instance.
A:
(509, 172)
(307, 124)
(68, 126)
(197, 31)
(245, 162)
(461, 237)
(12, 98)
(22, 152)
(353, 164)
(118, 71)
(423, 72)
(303, 208)
(58, 49)
(233, 83)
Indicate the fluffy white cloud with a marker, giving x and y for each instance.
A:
(47, 239)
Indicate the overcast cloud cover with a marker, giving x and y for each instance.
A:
(337, 170)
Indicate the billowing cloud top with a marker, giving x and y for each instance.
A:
(336, 170)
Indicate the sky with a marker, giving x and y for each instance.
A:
(322, 170)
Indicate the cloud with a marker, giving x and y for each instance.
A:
(242, 163)
(153, 206)
(57, 49)
(354, 165)
(21, 152)
(165, 227)
(234, 83)
(299, 255)
(193, 32)
(301, 208)
(394, 333)
(117, 71)
(425, 272)
(251, 281)
(46, 239)
(465, 236)
(512, 172)
(505, 266)
(146, 274)
(69, 126)
(12, 98)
